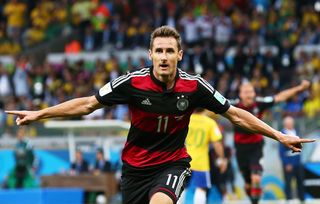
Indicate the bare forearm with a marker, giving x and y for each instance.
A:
(218, 148)
(288, 93)
(251, 123)
(74, 107)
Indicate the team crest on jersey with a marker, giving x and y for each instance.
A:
(182, 103)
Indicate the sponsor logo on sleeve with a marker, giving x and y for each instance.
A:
(105, 89)
(219, 97)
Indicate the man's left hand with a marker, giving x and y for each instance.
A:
(294, 142)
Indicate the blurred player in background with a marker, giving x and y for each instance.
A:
(223, 180)
(203, 131)
(161, 100)
(249, 146)
(22, 175)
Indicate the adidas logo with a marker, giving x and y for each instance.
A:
(146, 102)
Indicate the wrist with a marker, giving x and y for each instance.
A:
(221, 160)
(279, 137)
(39, 114)
(300, 88)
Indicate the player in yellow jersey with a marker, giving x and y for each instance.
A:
(203, 131)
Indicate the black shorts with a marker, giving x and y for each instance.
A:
(139, 189)
(248, 158)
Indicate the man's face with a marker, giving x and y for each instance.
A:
(247, 94)
(20, 134)
(165, 56)
(99, 156)
(288, 123)
(78, 156)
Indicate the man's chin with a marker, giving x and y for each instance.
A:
(164, 73)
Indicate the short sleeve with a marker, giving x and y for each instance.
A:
(216, 133)
(265, 102)
(210, 98)
(115, 92)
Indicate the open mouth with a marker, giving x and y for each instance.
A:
(164, 65)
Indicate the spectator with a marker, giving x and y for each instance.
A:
(6, 89)
(81, 12)
(292, 166)
(20, 81)
(223, 29)
(101, 164)
(88, 42)
(80, 165)
(190, 28)
(311, 107)
(15, 11)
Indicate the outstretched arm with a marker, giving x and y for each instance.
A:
(74, 107)
(288, 93)
(248, 121)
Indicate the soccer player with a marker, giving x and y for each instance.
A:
(203, 131)
(249, 146)
(161, 100)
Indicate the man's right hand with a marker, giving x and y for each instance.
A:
(304, 85)
(24, 117)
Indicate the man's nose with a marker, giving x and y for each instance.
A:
(163, 56)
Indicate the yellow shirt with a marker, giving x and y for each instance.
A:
(312, 107)
(202, 131)
(15, 13)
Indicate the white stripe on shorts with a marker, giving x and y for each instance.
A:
(182, 177)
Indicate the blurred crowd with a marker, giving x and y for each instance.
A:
(227, 42)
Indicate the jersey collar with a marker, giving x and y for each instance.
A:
(160, 83)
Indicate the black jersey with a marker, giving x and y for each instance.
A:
(159, 117)
(261, 104)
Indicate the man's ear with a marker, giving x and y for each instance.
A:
(150, 53)
(180, 55)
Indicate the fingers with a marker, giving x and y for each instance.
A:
(18, 121)
(14, 112)
(295, 149)
(305, 84)
(306, 140)
(23, 117)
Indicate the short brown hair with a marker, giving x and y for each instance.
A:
(165, 31)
